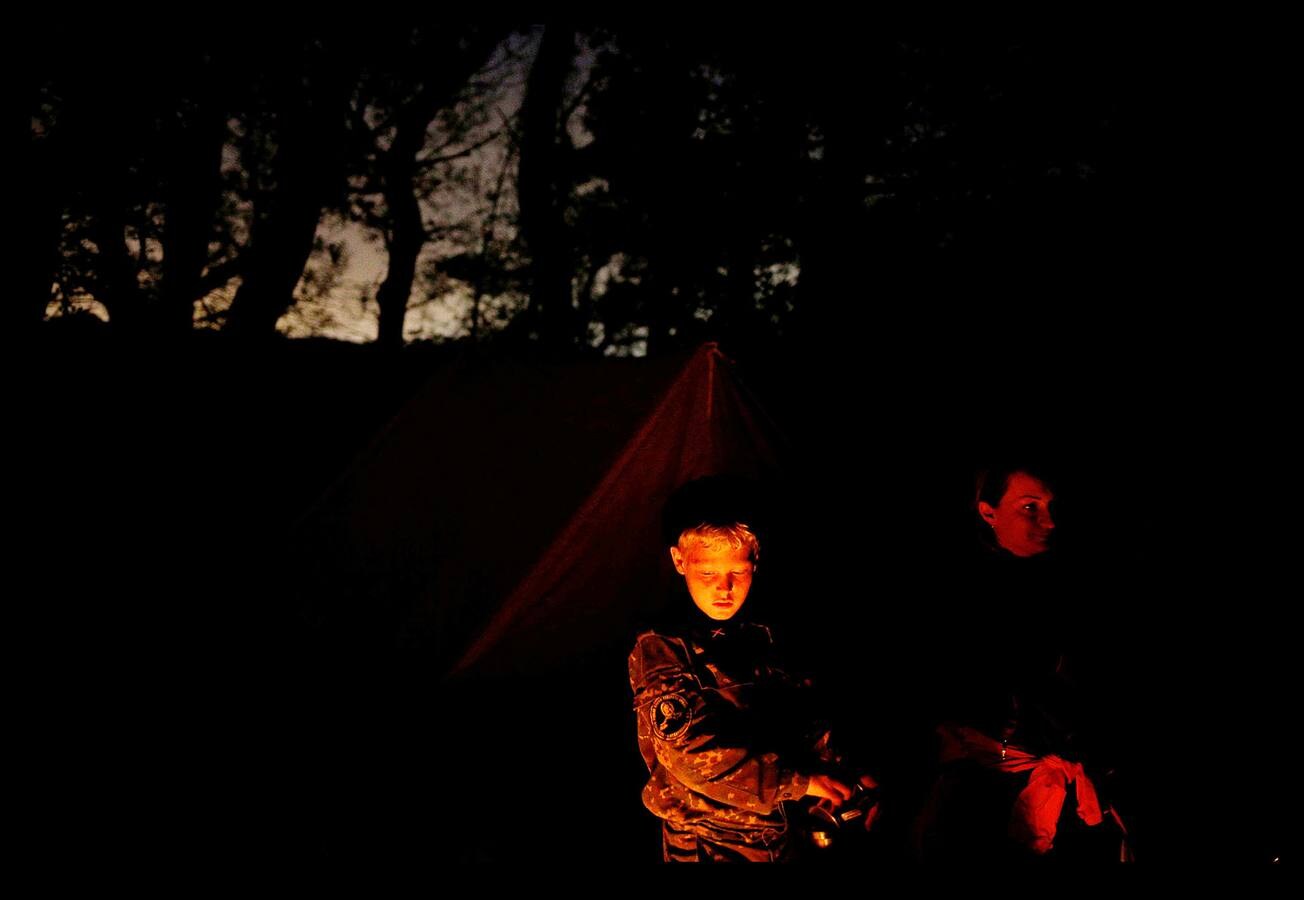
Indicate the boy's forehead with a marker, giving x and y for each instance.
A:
(698, 552)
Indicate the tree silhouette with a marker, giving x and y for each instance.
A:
(302, 99)
(545, 187)
(424, 74)
(672, 184)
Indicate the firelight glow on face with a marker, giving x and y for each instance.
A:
(718, 577)
(1022, 520)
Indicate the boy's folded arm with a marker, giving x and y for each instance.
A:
(699, 738)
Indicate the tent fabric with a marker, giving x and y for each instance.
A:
(508, 518)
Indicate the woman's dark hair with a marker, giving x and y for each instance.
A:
(992, 482)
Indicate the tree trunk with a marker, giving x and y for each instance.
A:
(406, 235)
(544, 190)
(115, 271)
(839, 262)
(192, 194)
(309, 177)
(38, 240)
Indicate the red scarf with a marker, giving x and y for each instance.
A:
(1037, 810)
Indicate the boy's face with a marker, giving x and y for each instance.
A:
(718, 577)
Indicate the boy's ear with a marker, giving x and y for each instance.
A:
(987, 511)
(677, 557)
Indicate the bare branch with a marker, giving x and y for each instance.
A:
(427, 164)
(580, 96)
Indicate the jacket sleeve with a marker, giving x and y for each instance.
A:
(701, 739)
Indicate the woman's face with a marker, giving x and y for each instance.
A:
(1021, 521)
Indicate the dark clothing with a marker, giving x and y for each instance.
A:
(1010, 649)
(1010, 675)
(721, 730)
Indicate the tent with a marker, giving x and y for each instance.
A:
(509, 516)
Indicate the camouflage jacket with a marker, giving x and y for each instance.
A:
(716, 725)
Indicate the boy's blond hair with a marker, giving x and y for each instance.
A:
(738, 535)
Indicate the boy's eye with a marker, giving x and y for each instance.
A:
(706, 574)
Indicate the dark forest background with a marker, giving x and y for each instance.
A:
(966, 243)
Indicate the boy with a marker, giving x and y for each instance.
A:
(718, 725)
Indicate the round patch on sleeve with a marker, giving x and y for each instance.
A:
(671, 715)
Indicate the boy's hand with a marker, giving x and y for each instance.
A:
(826, 787)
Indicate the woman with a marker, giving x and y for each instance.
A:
(1016, 726)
